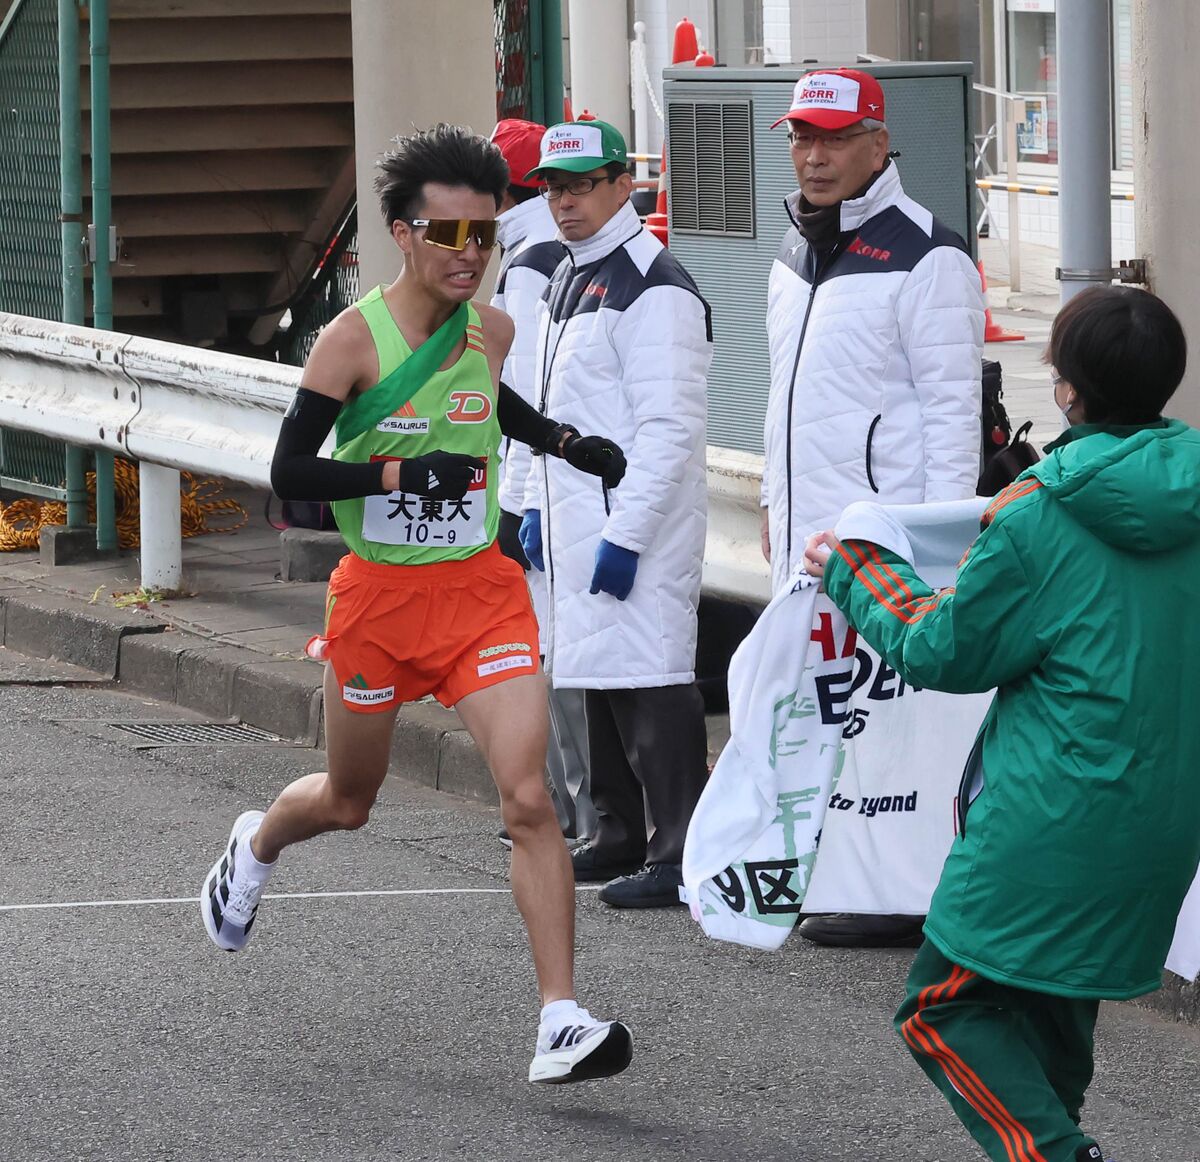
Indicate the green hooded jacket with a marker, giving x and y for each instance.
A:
(1080, 603)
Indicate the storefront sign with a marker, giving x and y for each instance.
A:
(1031, 5)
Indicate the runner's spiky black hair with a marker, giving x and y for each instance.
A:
(446, 154)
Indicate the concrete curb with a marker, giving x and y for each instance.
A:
(46, 625)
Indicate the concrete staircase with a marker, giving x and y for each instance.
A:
(232, 159)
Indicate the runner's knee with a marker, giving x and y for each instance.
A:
(526, 807)
(348, 812)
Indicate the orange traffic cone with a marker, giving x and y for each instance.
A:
(687, 45)
(656, 223)
(992, 331)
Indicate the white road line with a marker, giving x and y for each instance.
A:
(193, 900)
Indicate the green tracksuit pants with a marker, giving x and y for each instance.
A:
(1013, 1063)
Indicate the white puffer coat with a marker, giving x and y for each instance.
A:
(624, 348)
(875, 369)
(532, 252)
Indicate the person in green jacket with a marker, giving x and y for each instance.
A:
(1079, 814)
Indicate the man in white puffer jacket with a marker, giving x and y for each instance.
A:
(875, 319)
(624, 347)
(875, 323)
(528, 235)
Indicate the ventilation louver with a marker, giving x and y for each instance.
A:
(710, 168)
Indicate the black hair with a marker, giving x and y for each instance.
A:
(521, 194)
(1122, 349)
(447, 154)
(615, 169)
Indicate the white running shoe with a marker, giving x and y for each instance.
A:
(578, 1048)
(229, 900)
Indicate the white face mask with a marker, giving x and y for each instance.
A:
(1055, 380)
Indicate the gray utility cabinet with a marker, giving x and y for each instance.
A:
(728, 173)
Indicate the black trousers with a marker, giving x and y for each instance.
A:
(645, 748)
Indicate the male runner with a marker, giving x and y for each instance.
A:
(425, 603)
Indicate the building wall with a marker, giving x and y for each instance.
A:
(405, 78)
(1166, 92)
(793, 30)
(1038, 224)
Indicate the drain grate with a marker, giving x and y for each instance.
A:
(196, 733)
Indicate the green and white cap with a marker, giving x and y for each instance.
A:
(580, 146)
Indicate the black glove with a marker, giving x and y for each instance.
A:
(509, 539)
(440, 475)
(596, 455)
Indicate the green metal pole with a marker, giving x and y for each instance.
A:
(102, 317)
(71, 214)
(536, 59)
(552, 70)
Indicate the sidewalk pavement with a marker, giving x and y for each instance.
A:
(1027, 391)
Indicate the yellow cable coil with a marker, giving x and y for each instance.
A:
(22, 520)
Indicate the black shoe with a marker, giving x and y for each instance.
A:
(655, 886)
(1089, 1153)
(594, 868)
(845, 930)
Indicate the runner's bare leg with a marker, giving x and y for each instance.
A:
(357, 747)
(509, 723)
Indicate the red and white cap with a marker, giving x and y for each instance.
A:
(835, 98)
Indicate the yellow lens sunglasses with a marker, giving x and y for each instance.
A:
(454, 233)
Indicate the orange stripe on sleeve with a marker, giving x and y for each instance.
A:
(873, 572)
(1007, 495)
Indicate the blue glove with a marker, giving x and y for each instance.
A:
(530, 536)
(615, 570)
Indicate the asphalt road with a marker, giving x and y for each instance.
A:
(400, 1027)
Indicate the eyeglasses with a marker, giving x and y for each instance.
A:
(576, 188)
(454, 233)
(804, 141)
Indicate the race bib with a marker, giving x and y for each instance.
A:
(402, 518)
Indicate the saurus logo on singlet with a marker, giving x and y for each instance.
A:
(404, 422)
(469, 407)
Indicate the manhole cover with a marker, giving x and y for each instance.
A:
(196, 733)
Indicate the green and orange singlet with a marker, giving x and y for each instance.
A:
(453, 411)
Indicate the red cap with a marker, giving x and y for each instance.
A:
(521, 143)
(835, 98)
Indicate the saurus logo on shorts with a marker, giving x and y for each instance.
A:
(356, 691)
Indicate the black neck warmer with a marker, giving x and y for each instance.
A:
(821, 226)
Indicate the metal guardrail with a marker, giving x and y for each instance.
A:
(172, 407)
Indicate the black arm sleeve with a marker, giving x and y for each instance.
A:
(298, 473)
(526, 425)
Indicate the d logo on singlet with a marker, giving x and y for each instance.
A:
(469, 407)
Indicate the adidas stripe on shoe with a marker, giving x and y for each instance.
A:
(230, 896)
(581, 1049)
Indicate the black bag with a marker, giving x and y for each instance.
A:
(1005, 456)
(1008, 462)
(302, 514)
